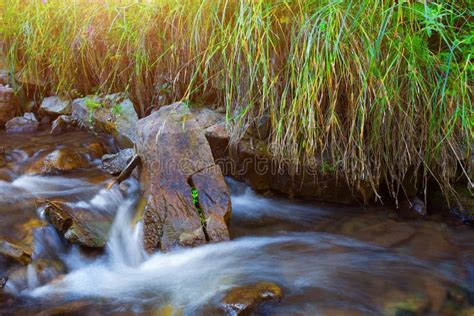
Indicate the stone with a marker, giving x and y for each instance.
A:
(114, 114)
(16, 252)
(55, 106)
(246, 299)
(62, 123)
(116, 163)
(214, 201)
(8, 108)
(78, 227)
(413, 207)
(95, 150)
(64, 159)
(24, 124)
(172, 147)
(5, 77)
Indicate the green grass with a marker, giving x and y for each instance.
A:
(382, 88)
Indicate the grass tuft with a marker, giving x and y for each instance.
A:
(383, 88)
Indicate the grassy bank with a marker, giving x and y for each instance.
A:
(382, 87)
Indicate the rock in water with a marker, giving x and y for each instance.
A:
(55, 106)
(7, 105)
(15, 251)
(63, 159)
(175, 156)
(116, 163)
(412, 208)
(23, 124)
(245, 300)
(78, 226)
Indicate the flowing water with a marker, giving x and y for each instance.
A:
(328, 260)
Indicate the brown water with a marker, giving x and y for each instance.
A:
(328, 259)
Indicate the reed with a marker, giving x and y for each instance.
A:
(383, 88)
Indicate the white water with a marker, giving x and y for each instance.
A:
(193, 278)
(314, 269)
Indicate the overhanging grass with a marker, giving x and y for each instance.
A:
(381, 87)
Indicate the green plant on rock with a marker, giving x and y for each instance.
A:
(92, 105)
(195, 196)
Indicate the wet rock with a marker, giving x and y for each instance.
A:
(245, 300)
(3, 281)
(114, 114)
(78, 227)
(171, 217)
(62, 124)
(412, 208)
(55, 106)
(64, 159)
(16, 252)
(95, 150)
(7, 105)
(214, 201)
(116, 163)
(24, 124)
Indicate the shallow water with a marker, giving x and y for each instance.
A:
(328, 259)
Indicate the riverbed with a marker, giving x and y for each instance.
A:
(328, 259)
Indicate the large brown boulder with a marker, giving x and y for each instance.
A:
(175, 156)
(7, 104)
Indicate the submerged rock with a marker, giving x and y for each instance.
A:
(78, 227)
(7, 105)
(16, 252)
(23, 124)
(173, 149)
(114, 114)
(63, 123)
(245, 300)
(412, 208)
(116, 163)
(64, 159)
